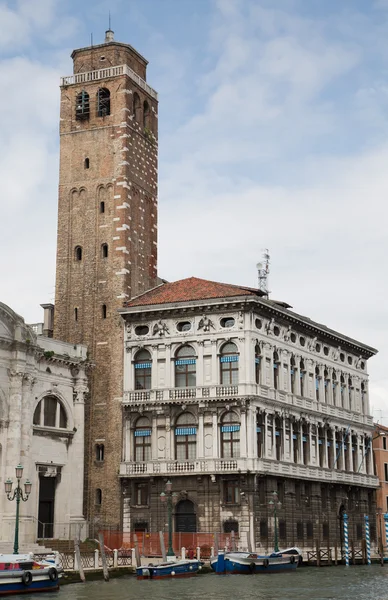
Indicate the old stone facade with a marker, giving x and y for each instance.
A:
(43, 385)
(107, 234)
(233, 396)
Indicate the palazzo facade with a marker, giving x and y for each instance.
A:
(233, 396)
(43, 385)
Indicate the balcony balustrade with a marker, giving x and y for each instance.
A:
(210, 466)
(106, 73)
(245, 390)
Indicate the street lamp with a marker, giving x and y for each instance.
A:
(275, 505)
(170, 498)
(18, 494)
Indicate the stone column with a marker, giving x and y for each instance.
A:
(129, 383)
(251, 432)
(76, 449)
(265, 431)
(291, 441)
(326, 451)
(200, 435)
(154, 437)
(13, 449)
(310, 443)
(243, 434)
(284, 439)
(301, 462)
(170, 367)
(199, 364)
(27, 409)
(154, 368)
(216, 452)
(127, 438)
(215, 377)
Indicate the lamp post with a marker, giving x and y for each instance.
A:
(170, 498)
(18, 494)
(275, 505)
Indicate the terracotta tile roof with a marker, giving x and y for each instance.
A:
(191, 288)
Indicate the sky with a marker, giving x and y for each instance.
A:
(273, 133)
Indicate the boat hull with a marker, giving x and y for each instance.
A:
(252, 564)
(183, 568)
(15, 585)
(21, 574)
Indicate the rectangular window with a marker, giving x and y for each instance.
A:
(384, 443)
(299, 531)
(359, 531)
(143, 376)
(385, 469)
(230, 441)
(186, 447)
(263, 529)
(231, 491)
(325, 531)
(324, 498)
(282, 529)
(141, 494)
(386, 504)
(262, 492)
(50, 411)
(281, 491)
(309, 530)
(229, 372)
(142, 445)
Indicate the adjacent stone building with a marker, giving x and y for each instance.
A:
(107, 236)
(43, 385)
(380, 452)
(232, 396)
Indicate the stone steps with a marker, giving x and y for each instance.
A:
(7, 548)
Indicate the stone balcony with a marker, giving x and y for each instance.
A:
(245, 390)
(216, 466)
(107, 73)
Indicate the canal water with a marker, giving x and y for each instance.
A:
(328, 583)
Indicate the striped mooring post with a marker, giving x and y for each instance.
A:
(367, 538)
(346, 539)
(386, 529)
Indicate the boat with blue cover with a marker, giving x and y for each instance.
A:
(251, 563)
(164, 570)
(22, 574)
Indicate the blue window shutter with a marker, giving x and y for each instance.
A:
(230, 428)
(142, 432)
(143, 365)
(186, 431)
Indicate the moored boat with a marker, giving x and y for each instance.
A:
(178, 568)
(250, 563)
(22, 574)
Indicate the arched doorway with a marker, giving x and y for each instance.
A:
(185, 517)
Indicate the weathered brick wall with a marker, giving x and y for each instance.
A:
(122, 173)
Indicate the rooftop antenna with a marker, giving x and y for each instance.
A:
(109, 34)
(263, 273)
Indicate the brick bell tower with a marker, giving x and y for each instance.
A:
(107, 237)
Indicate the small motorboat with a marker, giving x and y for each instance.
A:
(22, 574)
(250, 563)
(177, 568)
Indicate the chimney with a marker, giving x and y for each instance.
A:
(109, 36)
(48, 320)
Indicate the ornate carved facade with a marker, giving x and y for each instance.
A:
(234, 396)
(43, 386)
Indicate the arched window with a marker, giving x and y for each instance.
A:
(142, 440)
(82, 106)
(102, 207)
(100, 450)
(86, 163)
(146, 114)
(98, 498)
(185, 367)
(143, 367)
(229, 364)
(50, 413)
(103, 102)
(104, 250)
(230, 435)
(136, 107)
(257, 363)
(78, 253)
(185, 437)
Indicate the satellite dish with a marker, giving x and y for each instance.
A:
(259, 266)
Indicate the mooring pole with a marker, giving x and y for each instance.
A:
(386, 530)
(346, 539)
(367, 539)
